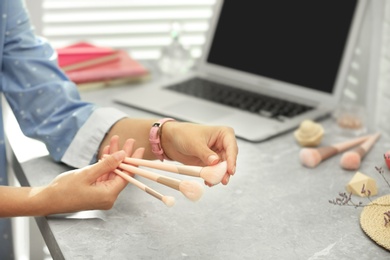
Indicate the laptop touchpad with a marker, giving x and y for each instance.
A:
(196, 111)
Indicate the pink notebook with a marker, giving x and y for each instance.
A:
(124, 66)
(83, 55)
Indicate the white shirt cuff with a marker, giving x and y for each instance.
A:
(86, 143)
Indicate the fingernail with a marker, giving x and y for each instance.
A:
(227, 179)
(234, 170)
(212, 159)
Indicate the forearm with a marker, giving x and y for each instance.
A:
(137, 129)
(23, 201)
(187, 143)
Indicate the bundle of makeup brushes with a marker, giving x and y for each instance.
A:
(350, 159)
(190, 189)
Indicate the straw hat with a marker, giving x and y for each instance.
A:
(372, 221)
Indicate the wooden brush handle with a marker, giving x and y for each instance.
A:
(139, 185)
(327, 151)
(350, 143)
(167, 181)
(181, 169)
(367, 145)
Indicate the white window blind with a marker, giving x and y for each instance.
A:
(383, 96)
(142, 27)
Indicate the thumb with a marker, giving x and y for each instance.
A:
(106, 165)
(208, 156)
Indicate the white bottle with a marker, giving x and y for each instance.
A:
(175, 58)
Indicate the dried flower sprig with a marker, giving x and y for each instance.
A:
(387, 217)
(381, 172)
(366, 193)
(345, 199)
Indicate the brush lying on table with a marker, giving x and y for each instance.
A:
(190, 189)
(351, 160)
(311, 157)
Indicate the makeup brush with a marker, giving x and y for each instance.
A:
(211, 174)
(191, 189)
(311, 157)
(351, 160)
(168, 200)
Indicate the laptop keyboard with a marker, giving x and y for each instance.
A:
(262, 105)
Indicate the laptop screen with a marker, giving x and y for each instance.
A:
(300, 42)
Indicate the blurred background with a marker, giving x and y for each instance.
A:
(145, 28)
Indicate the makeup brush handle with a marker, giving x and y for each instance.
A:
(367, 145)
(350, 143)
(131, 179)
(370, 142)
(326, 152)
(181, 169)
(167, 181)
(139, 185)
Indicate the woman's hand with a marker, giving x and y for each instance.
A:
(202, 145)
(92, 187)
(188, 143)
(128, 147)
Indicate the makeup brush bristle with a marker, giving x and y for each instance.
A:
(191, 189)
(350, 160)
(168, 200)
(309, 157)
(214, 174)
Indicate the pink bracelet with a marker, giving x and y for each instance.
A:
(154, 138)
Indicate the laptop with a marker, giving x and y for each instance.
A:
(266, 66)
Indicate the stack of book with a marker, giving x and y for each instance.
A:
(91, 66)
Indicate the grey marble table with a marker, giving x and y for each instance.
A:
(273, 208)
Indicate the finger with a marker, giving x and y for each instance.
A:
(231, 151)
(111, 148)
(139, 153)
(208, 184)
(225, 179)
(128, 146)
(106, 165)
(106, 150)
(206, 155)
(114, 144)
(231, 163)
